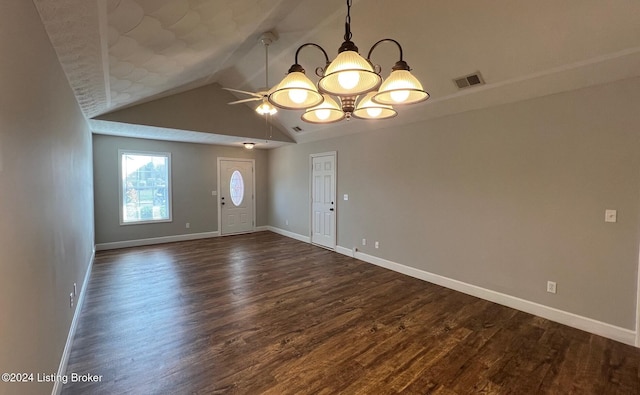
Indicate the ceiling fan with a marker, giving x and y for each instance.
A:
(265, 107)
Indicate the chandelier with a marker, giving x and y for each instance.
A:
(354, 81)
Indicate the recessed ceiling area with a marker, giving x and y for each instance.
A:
(121, 54)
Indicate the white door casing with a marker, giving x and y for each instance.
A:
(236, 200)
(323, 199)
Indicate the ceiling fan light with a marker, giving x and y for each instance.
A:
(349, 75)
(295, 92)
(368, 109)
(327, 112)
(249, 145)
(400, 88)
(266, 108)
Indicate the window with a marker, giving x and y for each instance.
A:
(145, 187)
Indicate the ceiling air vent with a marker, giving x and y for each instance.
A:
(469, 80)
(297, 129)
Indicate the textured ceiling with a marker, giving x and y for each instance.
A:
(156, 45)
(118, 53)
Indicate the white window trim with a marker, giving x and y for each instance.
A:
(121, 189)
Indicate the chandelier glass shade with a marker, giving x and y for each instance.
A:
(354, 80)
(326, 112)
(349, 74)
(295, 92)
(400, 88)
(368, 109)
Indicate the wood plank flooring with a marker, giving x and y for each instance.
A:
(265, 314)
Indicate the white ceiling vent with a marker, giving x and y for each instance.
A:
(297, 129)
(469, 80)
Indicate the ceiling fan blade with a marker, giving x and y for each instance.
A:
(245, 100)
(243, 92)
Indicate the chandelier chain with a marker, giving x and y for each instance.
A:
(347, 23)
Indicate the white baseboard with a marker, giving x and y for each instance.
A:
(155, 240)
(292, 235)
(613, 332)
(345, 251)
(261, 228)
(62, 369)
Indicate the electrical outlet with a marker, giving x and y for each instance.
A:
(71, 300)
(551, 287)
(187, 225)
(286, 222)
(364, 242)
(377, 244)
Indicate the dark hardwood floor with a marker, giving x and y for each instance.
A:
(265, 314)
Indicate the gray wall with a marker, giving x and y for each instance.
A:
(46, 199)
(203, 109)
(505, 198)
(194, 175)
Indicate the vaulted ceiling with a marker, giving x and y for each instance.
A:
(142, 55)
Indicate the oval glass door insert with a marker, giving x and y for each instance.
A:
(236, 188)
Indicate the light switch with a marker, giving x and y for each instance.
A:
(346, 197)
(610, 215)
(214, 193)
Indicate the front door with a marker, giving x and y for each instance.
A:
(323, 193)
(236, 198)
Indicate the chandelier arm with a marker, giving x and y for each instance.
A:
(381, 41)
(326, 57)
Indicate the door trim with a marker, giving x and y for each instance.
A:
(253, 168)
(335, 190)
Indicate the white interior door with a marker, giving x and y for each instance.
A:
(236, 197)
(323, 199)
